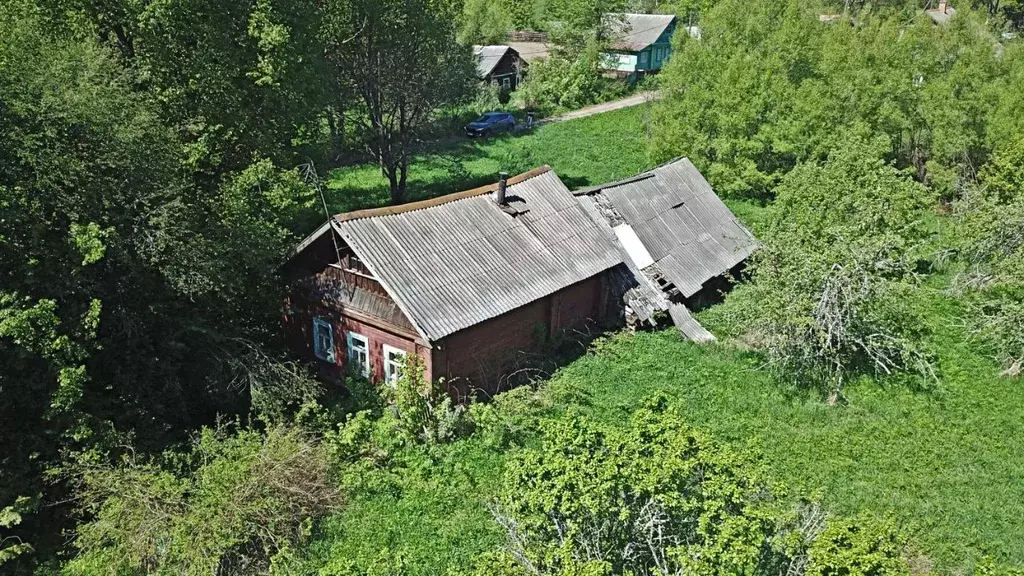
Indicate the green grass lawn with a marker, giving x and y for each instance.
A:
(947, 461)
(583, 152)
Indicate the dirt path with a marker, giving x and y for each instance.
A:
(634, 100)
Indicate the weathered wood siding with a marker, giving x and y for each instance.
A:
(480, 359)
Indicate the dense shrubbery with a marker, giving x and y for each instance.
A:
(828, 299)
(232, 505)
(991, 237)
(770, 86)
(661, 498)
(423, 411)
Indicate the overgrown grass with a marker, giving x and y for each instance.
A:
(946, 460)
(948, 463)
(583, 152)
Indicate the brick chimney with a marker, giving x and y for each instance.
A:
(943, 6)
(499, 198)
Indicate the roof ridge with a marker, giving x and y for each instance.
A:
(440, 200)
(629, 179)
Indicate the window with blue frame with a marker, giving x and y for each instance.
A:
(323, 339)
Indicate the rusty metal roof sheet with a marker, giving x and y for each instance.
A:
(459, 260)
(691, 235)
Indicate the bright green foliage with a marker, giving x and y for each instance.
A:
(831, 281)
(858, 546)
(566, 83)
(659, 497)
(1003, 175)
(769, 86)
(484, 22)
(656, 496)
(232, 78)
(12, 546)
(423, 410)
(227, 508)
(991, 235)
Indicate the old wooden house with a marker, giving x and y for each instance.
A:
(500, 66)
(640, 43)
(470, 282)
(479, 281)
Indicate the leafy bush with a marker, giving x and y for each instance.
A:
(510, 416)
(566, 81)
(658, 496)
(423, 410)
(662, 498)
(860, 545)
(768, 87)
(227, 507)
(11, 546)
(990, 234)
(832, 280)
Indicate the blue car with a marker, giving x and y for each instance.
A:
(491, 123)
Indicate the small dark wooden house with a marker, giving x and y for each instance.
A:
(500, 66)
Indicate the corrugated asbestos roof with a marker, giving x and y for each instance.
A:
(637, 31)
(691, 235)
(459, 260)
(487, 58)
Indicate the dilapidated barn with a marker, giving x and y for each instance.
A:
(677, 236)
(474, 281)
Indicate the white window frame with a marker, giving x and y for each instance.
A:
(644, 57)
(327, 355)
(393, 368)
(506, 83)
(363, 364)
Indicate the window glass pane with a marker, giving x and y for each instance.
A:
(358, 356)
(394, 359)
(323, 339)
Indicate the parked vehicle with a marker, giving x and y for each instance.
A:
(491, 123)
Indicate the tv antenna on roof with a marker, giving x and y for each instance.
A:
(309, 174)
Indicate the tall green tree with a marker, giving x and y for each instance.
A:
(232, 77)
(133, 282)
(404, 61)
(484, 22)
(769, 86)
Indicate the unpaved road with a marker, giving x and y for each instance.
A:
(634, 100)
